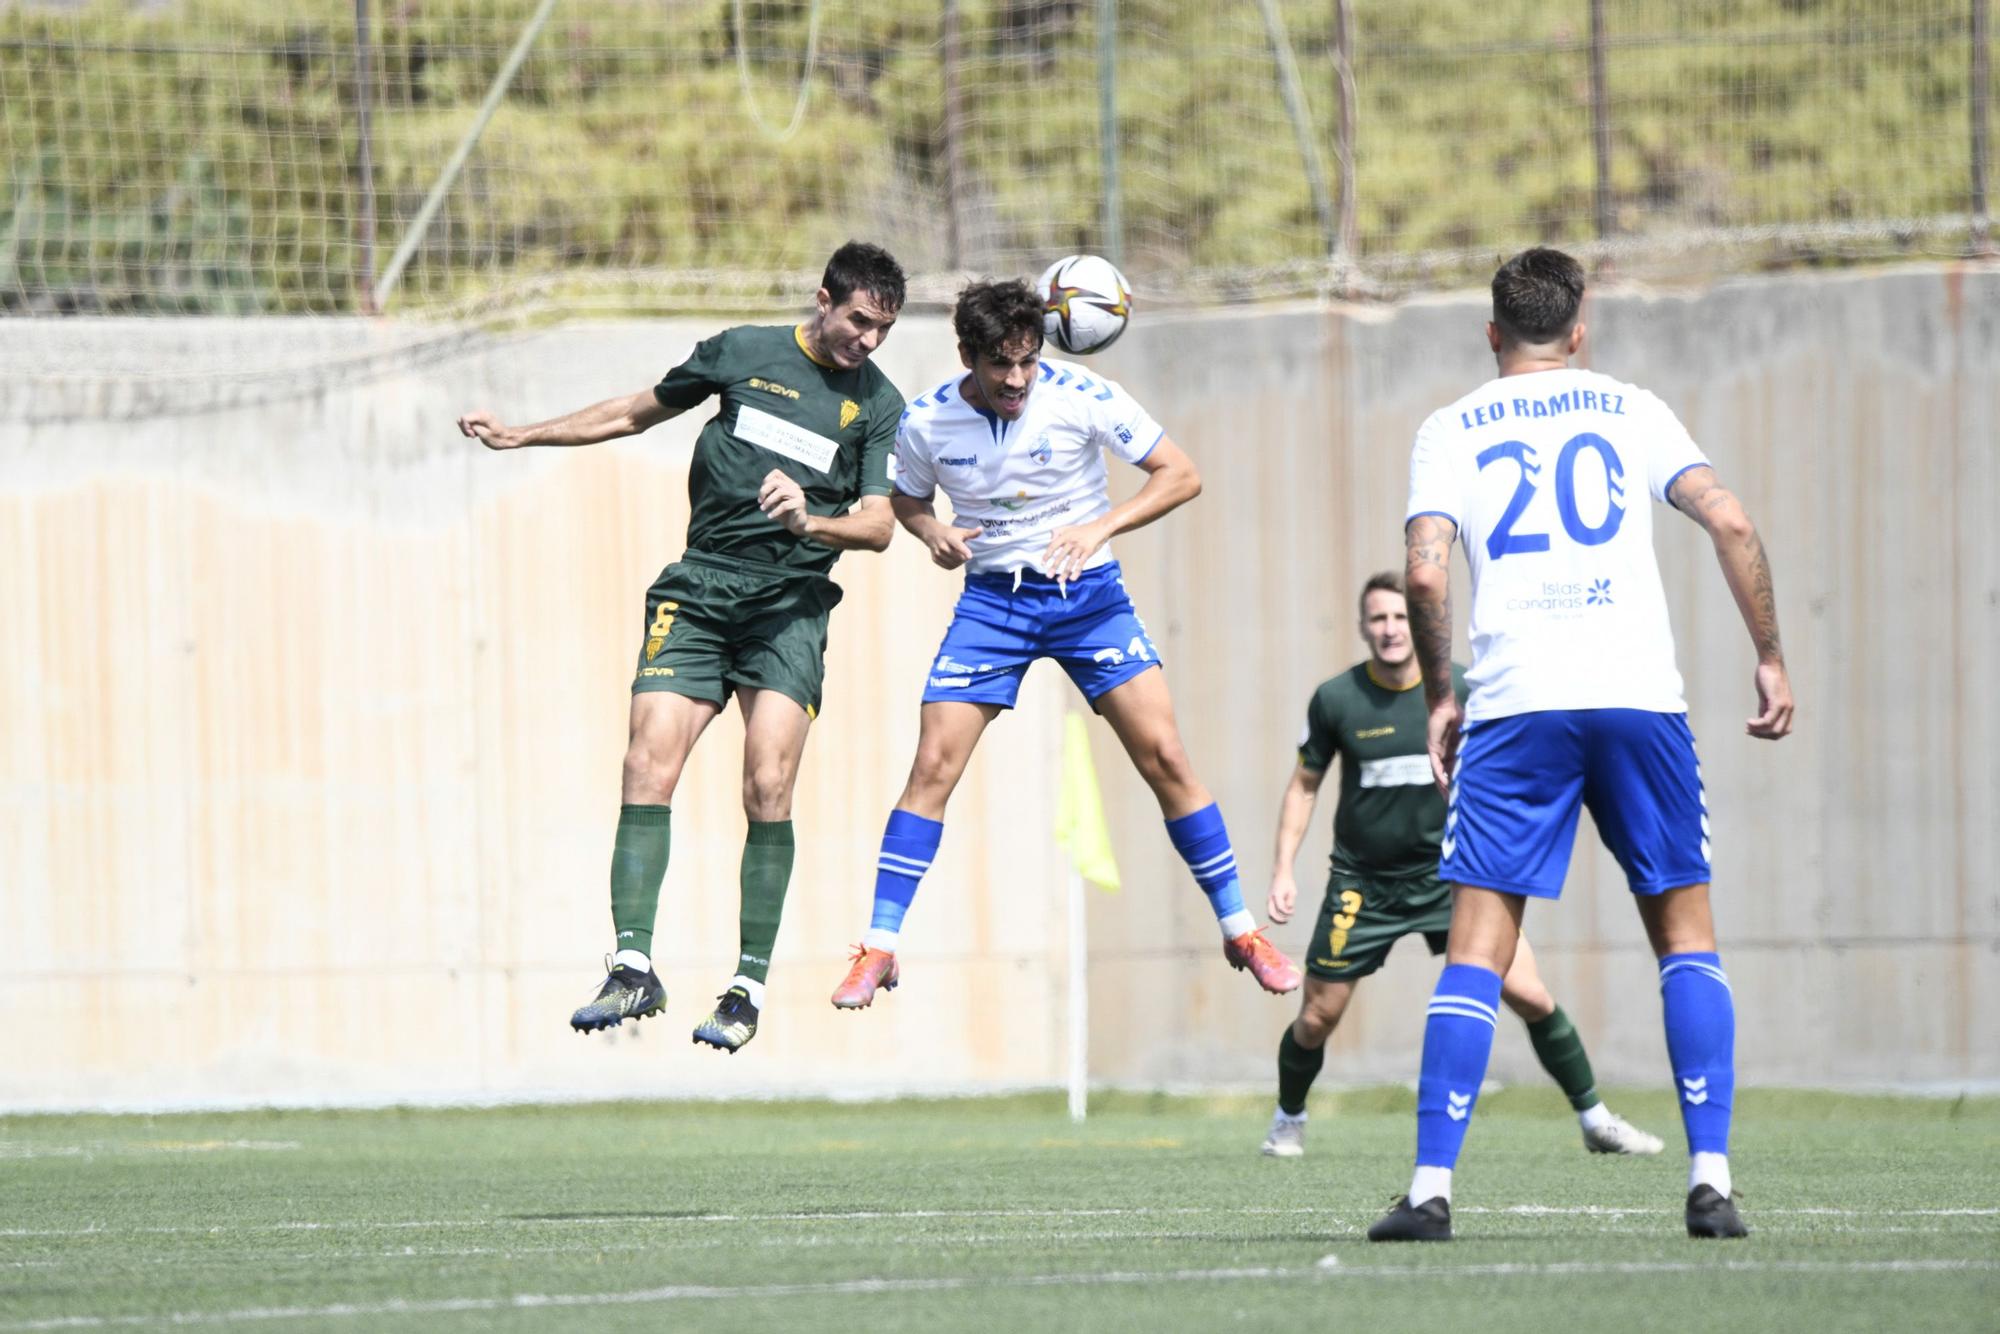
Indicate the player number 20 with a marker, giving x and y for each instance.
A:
(1504, 541)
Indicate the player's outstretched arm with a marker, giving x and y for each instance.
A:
(1172, 480)
(1427, 543)
(866, 527)
(1697, 494)
(1294, 818)
(612, 419)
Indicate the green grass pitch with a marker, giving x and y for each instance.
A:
(1158, 1214)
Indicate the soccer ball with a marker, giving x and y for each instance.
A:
(1085, 303)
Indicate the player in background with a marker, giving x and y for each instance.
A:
(1018, 445)
(1384, 883)
(1575, 700)
(792, 470)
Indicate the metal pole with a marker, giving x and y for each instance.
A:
(1343, 149)
(421, 224)
(1107, 123)
(1600, 119)
(1982, 87)
(1301, 117)
(1079, 999)
(954, 138)
(364, 105)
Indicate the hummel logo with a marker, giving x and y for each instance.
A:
(1458, 1105)
(1448, 846)
(1697, 1090)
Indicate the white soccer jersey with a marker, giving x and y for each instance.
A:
(1022, 480)
(1537, 471)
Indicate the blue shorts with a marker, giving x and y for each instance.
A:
(998, 629)
(1511, 821)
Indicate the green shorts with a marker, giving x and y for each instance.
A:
(714, 623)
(1363, 917)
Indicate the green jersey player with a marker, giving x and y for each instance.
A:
(792, 470)
(1386, 835)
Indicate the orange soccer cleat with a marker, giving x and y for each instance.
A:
(1266, 962)
(872, 969)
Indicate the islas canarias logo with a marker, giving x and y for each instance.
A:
(849, 410)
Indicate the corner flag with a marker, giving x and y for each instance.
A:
(1080, 827)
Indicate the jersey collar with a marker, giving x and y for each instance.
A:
(799, 337)
(1369, 667)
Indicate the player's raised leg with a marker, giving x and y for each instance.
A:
(774, 738)
(948, 734)
(1559, 1047)
(1141, 712)
(1458, 1041)
(1301, 1053)
(1700, 1016)
(664, 728)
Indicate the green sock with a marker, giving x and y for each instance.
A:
(1559, 1048)
(767, 871)
(1297, 1068)
(638, 865)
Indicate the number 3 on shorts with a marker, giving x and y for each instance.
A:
(1343, 922)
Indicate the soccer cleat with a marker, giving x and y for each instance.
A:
(872, 969)
(733, 1023)
(626, 994)
(1266, 962)
(1620, 1136)
(1429, 1221)
(1287, 1138)
(1711, 1214)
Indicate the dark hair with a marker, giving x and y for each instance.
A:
(1386, 582)
(1536, 296)
(993, 312)
(861, 267)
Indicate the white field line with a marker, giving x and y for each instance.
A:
(16, 1150)
(1335, 1273)
(640, 1219)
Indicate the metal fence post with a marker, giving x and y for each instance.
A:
(1343, 144)
(1982, 85)
(1107, 120)
(1600, 120)
(954, 139)
(364, 166)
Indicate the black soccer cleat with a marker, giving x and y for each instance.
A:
(733, 1023)
(1429, 1221)
(626, 994)
(1711, 1214)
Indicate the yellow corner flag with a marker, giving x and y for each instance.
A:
(1080, 827)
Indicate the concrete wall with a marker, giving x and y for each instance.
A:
(311, 717)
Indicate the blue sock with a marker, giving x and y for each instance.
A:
(1458, 1039)
(909, 844)
(1203, 844)
(1701, 1042)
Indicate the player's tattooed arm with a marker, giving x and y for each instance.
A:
(1427, 546)
(1747, 569)
(612, 419)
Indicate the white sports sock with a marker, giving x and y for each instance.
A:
(1430, 1183)
(880, 938)
(632, 959)
(1237, 924)
(751, 985)
(1710, 1169)
(1286, 1116)
(1595, 1116)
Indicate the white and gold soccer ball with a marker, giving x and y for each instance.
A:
(1086, 303)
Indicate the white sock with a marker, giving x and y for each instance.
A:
(1238, 923)
(1709, 1169)
(1595, 1116)
(632, 959)
(1287, 1117)
(751, 985)
(1430, 1183)
(880, 938)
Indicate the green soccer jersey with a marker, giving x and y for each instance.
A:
(1390, 818)
(832, 431)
